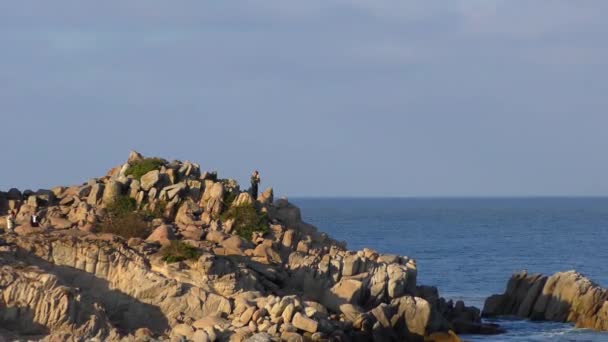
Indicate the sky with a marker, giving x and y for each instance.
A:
(324, 97)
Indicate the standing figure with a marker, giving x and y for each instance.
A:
(34, 220)
(255, 180)
(10, 222)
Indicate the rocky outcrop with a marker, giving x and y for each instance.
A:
(284, 281)
(34, 302)
(562, 297)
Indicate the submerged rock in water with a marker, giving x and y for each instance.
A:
(563, 297)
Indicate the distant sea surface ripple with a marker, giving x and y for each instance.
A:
(469, 248)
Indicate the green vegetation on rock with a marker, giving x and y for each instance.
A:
(179, 251)
(121, 206)
(123, 220)
(127, 226)
(157, 212)
(141, 167)
(247, 219)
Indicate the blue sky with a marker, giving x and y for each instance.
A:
(333, 98)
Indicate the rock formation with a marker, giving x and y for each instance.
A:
(214, 265)
(562, 297)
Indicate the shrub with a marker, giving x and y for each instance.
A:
(123, 220)
(229, 197)
(179, 251)
(128, 226)
(141, 167)
(247, 219)
(158, 212)
(121, 206)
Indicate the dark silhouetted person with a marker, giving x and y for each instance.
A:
(255, 180)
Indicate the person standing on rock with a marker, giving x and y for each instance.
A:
(10, 222)
(255, 180)
(34, 220)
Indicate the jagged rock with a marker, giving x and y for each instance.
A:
(243, 198)
(563, 297)
(212, 200)
(413, 317)
(95, 194)
(134, 156)
(175, 190)
(84, 191)
(33, 302)
(266, 197)
(185, 213)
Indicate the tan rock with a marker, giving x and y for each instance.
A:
(243, 198)
(149, 180)
(210, 322)
(113, 190)
(60, 223)
(184, 330)
(162, 234)
(304, 323)
(95, 194)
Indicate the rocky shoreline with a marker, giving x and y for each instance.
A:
(563, 297)
(214, 264)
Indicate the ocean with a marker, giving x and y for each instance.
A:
(469, 247)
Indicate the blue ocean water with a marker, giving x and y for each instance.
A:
(469, 248)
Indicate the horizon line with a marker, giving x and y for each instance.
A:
(447, 196)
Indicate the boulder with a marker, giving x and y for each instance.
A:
(192, 232)
(27, 229)
(134, 156)
(266, 197)
(562, 297)
(210, 322)
(149, 180)
(346, 291)
(216, 236)
(260, 337)
(235, 245)
(113, 190)
(95, 194)
(162, 234)
(304, 323)
(60, 223)
(184, 330)
(213, 197)
(243, 198)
